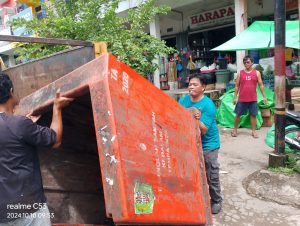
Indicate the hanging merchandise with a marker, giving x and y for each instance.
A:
(178, 63)
(162, 69)
(179, 67)
(172, 71)
(191, 65)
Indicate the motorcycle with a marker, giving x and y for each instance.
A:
(292, 134)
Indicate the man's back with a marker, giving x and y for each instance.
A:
(20, 177)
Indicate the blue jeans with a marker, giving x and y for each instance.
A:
(39, 218)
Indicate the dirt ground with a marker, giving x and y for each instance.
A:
(239, 158)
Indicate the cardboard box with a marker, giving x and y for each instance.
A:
(212, 94)
(297, 107)
(220, 86)
(210, 87)
(268, 121)
(265, 112)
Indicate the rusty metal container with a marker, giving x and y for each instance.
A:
(130, 155)
(35, 74)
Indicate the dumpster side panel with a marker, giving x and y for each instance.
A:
(108, 147)
(31, 76)
(74, 84)
(153, 142)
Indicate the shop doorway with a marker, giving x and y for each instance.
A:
(202, 42)
(171, 42)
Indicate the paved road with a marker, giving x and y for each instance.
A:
(240, 157)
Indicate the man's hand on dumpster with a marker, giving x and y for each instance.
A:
(196, 112)
(61, 102)
(33, 117)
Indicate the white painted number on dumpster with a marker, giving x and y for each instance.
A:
(114, 74)
(125, 82)
(155, 141)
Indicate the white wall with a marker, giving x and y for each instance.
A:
(267, 8)
(173, 20)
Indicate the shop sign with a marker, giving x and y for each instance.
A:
(25, 14)
(291, 4)
(212, 18)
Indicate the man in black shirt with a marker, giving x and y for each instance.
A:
(22, 199)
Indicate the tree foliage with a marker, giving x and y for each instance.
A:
(97, 20)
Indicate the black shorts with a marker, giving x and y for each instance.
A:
(242, 108)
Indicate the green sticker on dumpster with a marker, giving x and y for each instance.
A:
(143, 198)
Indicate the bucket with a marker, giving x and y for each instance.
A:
(222, 63)
(210, 77)
(231, 77)
(230, 86)
(222, 76)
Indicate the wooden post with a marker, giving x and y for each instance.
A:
(278, 158)
(100, 48)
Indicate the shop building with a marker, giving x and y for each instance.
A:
(197, 26)
(13, 9)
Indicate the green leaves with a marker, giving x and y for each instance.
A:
(292, 165)
(96, 20)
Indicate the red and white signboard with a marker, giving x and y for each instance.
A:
(212, 18)
(291, 4)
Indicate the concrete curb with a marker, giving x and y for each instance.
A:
(281, 188)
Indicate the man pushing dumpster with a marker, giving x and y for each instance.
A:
(204, 109)
(22, 199)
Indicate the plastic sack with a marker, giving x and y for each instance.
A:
(225, 112)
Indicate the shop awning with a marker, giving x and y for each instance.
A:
(260, 35)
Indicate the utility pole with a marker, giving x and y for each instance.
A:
(278, 158)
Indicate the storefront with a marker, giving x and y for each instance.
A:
(208, 29)
(205, 31)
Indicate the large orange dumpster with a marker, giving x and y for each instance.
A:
(130, 153)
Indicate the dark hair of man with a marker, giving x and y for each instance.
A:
(248, 58)
(5, 87)
(200, 77)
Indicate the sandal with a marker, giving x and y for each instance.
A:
(233, 134)
(254, 135)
